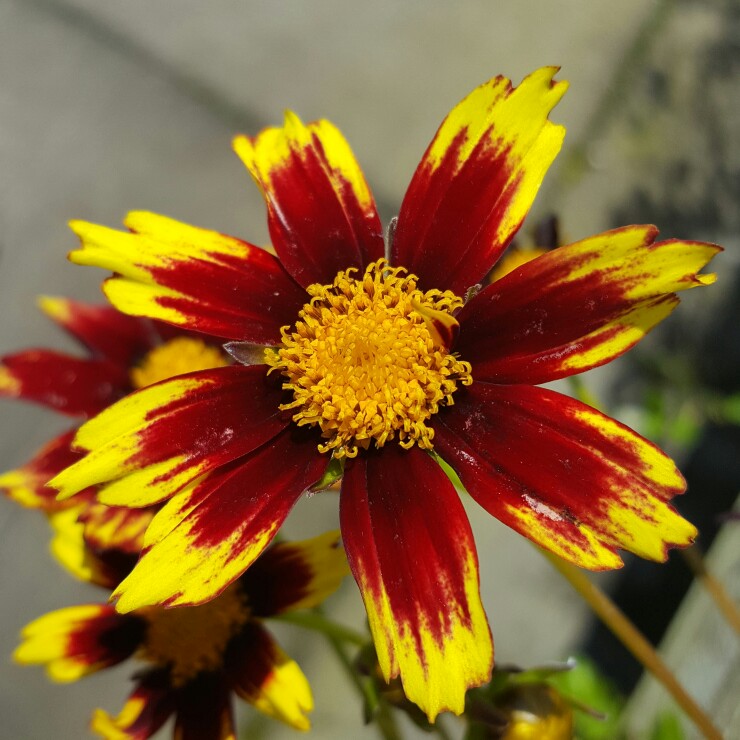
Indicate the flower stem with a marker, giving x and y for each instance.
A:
(441, 730)
(337, 636)
(382, 716)
(634, 641)
(314, 620)
(715, 589)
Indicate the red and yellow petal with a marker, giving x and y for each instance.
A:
(69, 385)
(27, 485)
(79, 640)
(103, 330)
(208, 535)
(150, 705)
(115, 527)
(101, 567)
(263, 675)
(193, 278)
(477, 181)
(411, 550)
(578, 306)
(322, 216)
(295, 575)
(562, 474)
(154, 442)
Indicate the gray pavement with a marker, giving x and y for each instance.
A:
(110, 106)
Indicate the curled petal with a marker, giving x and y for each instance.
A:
(63, 383)
(207, 536)
(193, 278)
(578, 306)
(155, 441)
(412, 553)
(262, 674)
(295, 575)
(477, 180)
(562, 474)
(79, 640)
(322, 216)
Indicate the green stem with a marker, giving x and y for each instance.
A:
(626, 632)
(317, 622)
(441, 730)
(337, 636)
(714, 587)
(384, 720)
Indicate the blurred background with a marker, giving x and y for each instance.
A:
(111, 106)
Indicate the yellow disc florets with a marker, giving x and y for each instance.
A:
(176, 357)
(192, 639)
(363, 363)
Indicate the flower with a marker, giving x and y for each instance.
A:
(376, 369)
(197, 657)
(125, 353)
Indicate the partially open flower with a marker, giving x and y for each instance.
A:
(371, 362)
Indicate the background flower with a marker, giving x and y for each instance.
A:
(196, 657)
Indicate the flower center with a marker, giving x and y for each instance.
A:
(192, 639)
(363, 364)
(178, 356)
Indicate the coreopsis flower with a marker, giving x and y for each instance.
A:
(194, 659)
(376, 367)
(124, 353)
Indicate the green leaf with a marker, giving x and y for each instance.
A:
(667, 727)
(730, 409)
(586, 687)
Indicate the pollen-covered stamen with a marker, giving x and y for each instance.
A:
(176, 357)
(192, 639)
(362, 362)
